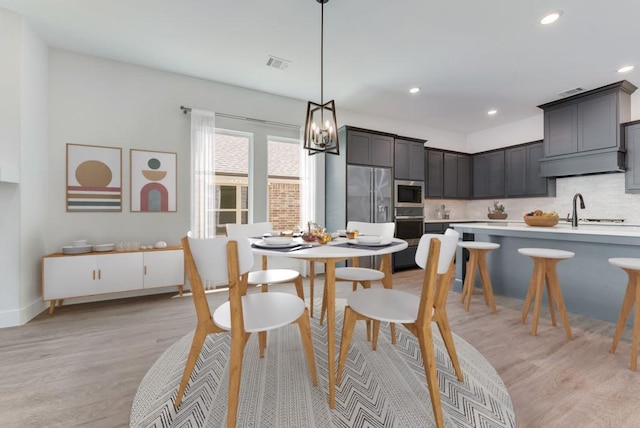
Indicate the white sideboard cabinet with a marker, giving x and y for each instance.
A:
(68, 276)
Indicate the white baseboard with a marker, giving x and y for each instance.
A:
(22, 315)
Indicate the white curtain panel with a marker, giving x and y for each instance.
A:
(307, 186)
(203, 135)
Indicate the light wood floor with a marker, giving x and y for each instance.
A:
(81, 367)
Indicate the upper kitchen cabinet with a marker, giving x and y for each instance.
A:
(409, 159)
(488, 175)
(522, 172)
(368, 148)
(631, 133)
(582, 132)
(447, 174)
(433, 177)
(457, 175)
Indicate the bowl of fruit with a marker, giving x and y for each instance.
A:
(541, 219)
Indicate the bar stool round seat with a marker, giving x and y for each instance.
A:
(478, 257)
(544, 270)
(631, 298)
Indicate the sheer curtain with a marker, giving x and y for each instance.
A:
(307, 186)
(203, 134)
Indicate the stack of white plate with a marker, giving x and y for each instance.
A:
(77, 249)
(104, 247)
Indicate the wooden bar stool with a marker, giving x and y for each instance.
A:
(631, 296)
(478, 257)
(544, 270)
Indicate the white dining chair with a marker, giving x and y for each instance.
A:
(435, 255)
(356, 274)
(265, 276)
(220, 259)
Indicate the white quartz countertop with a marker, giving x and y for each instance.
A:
(519, 220)
(601, 229)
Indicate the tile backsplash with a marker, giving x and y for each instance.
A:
(603, 194)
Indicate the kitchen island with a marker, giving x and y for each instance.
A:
(590, 285)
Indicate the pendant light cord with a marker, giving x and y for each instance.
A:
(322, 64)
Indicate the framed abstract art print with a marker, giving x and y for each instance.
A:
(153, 181)
(94, 178)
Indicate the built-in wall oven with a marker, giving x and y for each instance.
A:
(410, 227)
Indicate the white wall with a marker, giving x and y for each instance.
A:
(34, 170)
(10, 46)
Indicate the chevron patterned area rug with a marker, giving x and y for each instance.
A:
(382, 388)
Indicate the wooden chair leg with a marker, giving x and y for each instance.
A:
(262, 342)
(425, 338)
(299, 287)
(445, 331)
(235, 371)
(304, 325)
(199, 337)
(625, 311)
(312, 275)
(348, 325)
(376, 330)
(323, 308)
(636, 332)
(392, 326)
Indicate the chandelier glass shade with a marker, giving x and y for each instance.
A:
(321, 126)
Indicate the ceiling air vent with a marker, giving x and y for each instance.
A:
(571, 92)
(278, 63)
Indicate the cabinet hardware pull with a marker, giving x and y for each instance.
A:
(99, 273)
(94, 274)
(145, 270)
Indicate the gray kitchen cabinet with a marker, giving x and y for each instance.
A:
(515, 171)
(464, 176)
(409, 159)
(448, 174)
(522, 172)
(488, 175)
(632, 141)
(536, 184)
(369, 148)
(561, 130)
(434, 173)
(582, 132)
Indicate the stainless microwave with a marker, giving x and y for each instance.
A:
(409, 193)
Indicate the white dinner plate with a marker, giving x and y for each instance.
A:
(263, 244)
(371, 244)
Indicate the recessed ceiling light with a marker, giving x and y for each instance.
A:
(414, 90)
(492, 112)
(551, 18)
(625, 69)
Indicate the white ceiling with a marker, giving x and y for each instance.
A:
(468, 56)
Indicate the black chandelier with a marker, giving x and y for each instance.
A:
(321, 127)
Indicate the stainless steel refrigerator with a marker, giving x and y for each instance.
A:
(369, 196)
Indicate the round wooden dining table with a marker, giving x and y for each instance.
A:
(335, 251)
